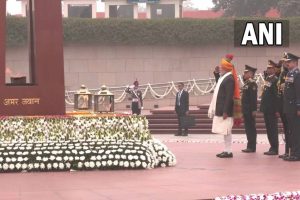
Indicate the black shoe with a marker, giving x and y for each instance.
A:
(178, 134)
(292, 158)
(219, 154)
(271, 153)
(225, 155)
(185, 134)
(248, 150)
(283, 156)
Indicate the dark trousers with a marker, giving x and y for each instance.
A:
(271, 122)
(135, 108)
(179, 115)
(294, 127)
(286, 132)
(250, 129)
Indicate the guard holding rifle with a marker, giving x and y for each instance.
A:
(137, 98)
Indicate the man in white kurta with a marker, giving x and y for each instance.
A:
(221, 107)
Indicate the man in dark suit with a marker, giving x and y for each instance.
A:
(270, 108)
(181, 108)
(291, 104)
(249, 107)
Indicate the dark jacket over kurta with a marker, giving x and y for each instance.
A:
(225, 97)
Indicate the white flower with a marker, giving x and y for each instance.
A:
(36, 165)
(59, 158)
(55, 165)
(109, 162)
(68, 165)
(11, 166)
(104, 163)
(138, 163)
(110, 156)
(92, 164)
(132, 164)
(144, 165)
(49, 166)
(1, 159)
(123, 157)
(61, 166)
(74, 151)
(45, 159)
(126, 164)
(82, 158)
(87, 164)
(24, 166)
(38, 158)
(142, 157)
(136, 157)
(121, 163)
(80, 165)
(104, 157)
(30, 166)
(98, 164)
(5, 166)
(77, 158)
(115, 163)
(163, 165)
(52, 157)
(98, 157)
(18, 166)
(7, 159)
(70, 158)
(42, 166)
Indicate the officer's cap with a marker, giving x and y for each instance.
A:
(249, 68)
(289, 57)
(271, 63)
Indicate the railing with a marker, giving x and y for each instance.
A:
(196, 87)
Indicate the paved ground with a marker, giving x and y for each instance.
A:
(198, 175)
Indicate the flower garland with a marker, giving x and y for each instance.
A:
(84, 155)
(65, 128)
(275, 196)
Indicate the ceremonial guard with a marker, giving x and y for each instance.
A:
(249, 107)
(136, 97)
(291, 104)
(281, 73)
(269, 107)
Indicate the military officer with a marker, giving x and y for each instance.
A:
(269, 107)
(249, 107)
(291, 104)
(281, 73)
(136, 97)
